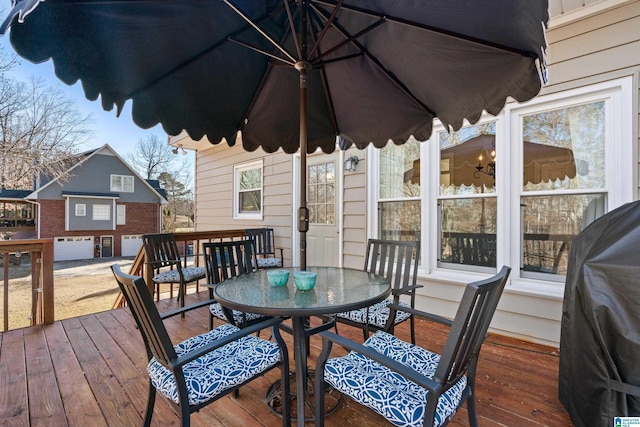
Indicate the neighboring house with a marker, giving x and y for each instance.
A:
(101, 209)
(525, 211)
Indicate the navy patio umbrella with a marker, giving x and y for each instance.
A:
(297, 75)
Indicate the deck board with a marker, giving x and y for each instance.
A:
(14, 410)
(91, 370)
(45, 402)
(81, 408)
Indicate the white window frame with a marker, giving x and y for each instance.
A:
(435, 177)
(101, 212)
(125, 184)
(121, 214)
(237, 170)
(81, 209)
(620, 176)
(620, 180)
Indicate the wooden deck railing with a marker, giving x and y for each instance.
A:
(190, 247)
(41, 253)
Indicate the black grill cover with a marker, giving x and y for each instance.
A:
(600, 335)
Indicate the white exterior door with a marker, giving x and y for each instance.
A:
(323, 187)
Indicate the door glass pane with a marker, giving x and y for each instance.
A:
(313, 174)
(321, 193)
(550, 223)
(331, 219)
(330, 193)
(468, 231)
(321, 214)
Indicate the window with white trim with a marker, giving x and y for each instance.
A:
(467, 200)
(562, 188)
(122, 183)
(101, 212)
(247, 191)
(399, 191)
(513, 189)
(81, 209)
(121, 214)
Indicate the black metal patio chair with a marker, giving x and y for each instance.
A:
(203, 368)
(222, 261)
(397, 261)
(163, 258)
(407, 384)
(267, 255)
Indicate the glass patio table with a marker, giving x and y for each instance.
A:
(336, 290)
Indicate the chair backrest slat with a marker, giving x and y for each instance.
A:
(395, 260)
(154, 334)
(263, 240)
(228, 259)
(161, 250)
(470, 326)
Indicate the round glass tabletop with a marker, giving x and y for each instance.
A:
(336, 290)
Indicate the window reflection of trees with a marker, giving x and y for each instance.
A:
(251, 190)
(552, 219)
(321, 194)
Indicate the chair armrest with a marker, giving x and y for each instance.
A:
(395, 366)
(407, 290)
(181, 310)
(199, 352)
(423, 314)
(164, 261)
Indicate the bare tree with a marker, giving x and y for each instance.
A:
(180, 201)
(40, 128)
(152, 156)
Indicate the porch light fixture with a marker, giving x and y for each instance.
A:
(350, 164)
(179, 147)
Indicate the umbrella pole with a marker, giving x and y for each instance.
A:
(303, 66)
(303, 211)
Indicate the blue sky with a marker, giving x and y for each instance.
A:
(119, 132)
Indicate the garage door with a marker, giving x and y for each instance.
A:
(131, 245)
(69, 248)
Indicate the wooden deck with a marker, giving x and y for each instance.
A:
(91, 371)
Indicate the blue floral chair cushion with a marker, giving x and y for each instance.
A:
(224, 368)
(269, 263)
(396, 398)
(238, 316)
(172, 276)
(378, 314)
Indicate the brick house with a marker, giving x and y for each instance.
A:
(100, 210)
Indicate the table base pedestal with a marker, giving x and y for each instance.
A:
(274, 397)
